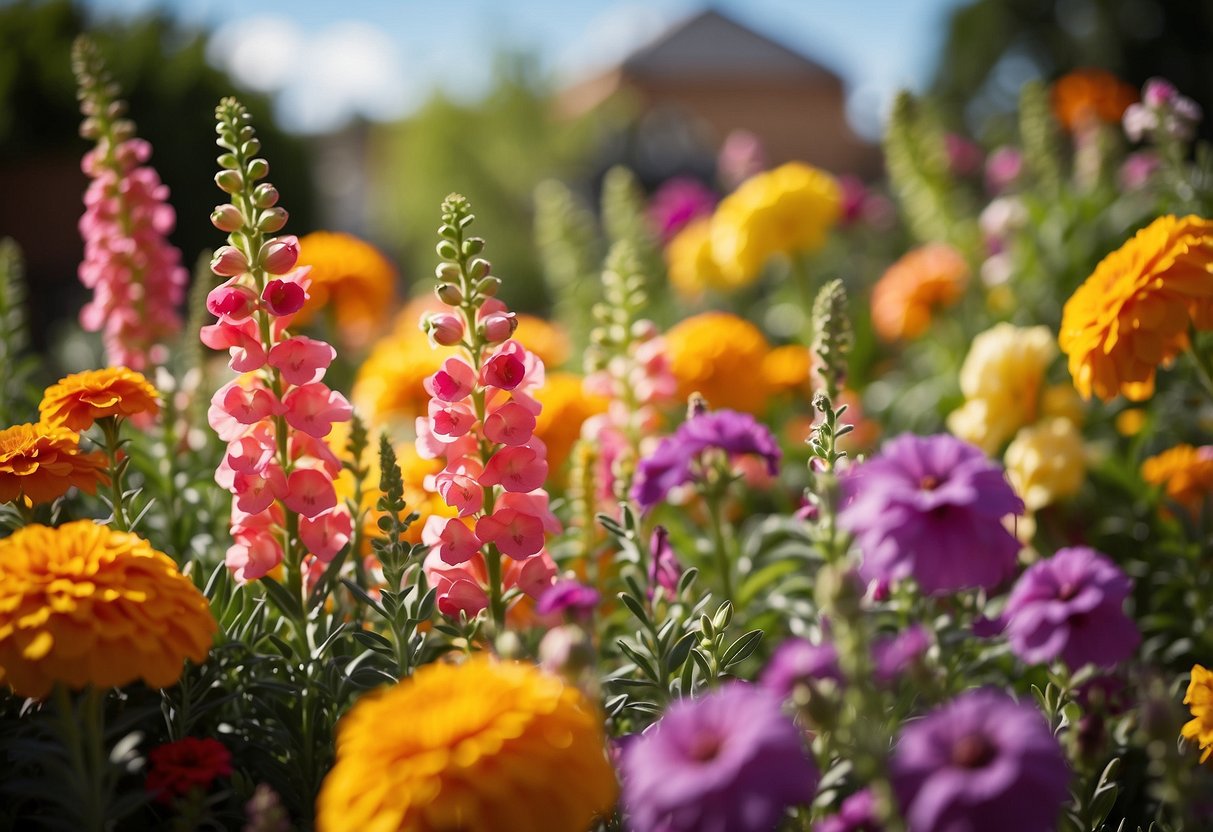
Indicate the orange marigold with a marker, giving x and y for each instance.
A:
(352, 277)
(503, 747)
(720, 356)
(566, 406)
(86, 605)
(388, 385)
(789, 369)
(1086, 97)
(1185, 473)
(927, 277)
(1133, 313)
(41, 462)
(544, 338)
(80, 399)
(1199, 700)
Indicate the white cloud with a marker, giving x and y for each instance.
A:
(319, 79)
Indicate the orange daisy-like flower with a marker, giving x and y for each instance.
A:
(350, 276)
(1199, 700)
(41, 462)
(86, 605)
(502, 747)
(1086, 97)
(1185, 473)
(720, 356)
(82, 398)
(1132, 314)
(924, 279)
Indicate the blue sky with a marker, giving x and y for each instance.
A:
(380, 58)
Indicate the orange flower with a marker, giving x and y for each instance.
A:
(566, 406)
(927, 277)
(389, 383)
(352, 277)
(1087, 97)
(1132, 314)
(41, 462)
(720, 356)
(82, 398)
(789, 369)
(84, 604)
(1184, 471)
(544, 338)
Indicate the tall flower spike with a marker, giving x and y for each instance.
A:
(481, 423)
(832, 336)
(135, 274)
(284, 503)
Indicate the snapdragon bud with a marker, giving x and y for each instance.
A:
(227, 218)
(280, 255)
(229, 261)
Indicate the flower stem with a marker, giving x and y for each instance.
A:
(84, 743)
(110, 428)
(1202, 361)
(714, 499)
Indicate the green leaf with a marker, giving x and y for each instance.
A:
(741, 649)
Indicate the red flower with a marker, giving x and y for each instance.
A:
(179, 767)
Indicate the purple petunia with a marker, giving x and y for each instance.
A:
(931, 508)
(857, 814)
(893, 655)
(796, 661)
(567, 596)
(671, 463)
(730, 761)
(1071, 606)
(980, 762)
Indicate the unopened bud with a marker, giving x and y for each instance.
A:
(272, 220)
(449, 294)
(498, 326)
(280, 255)
(444, 328)
(488, 287)
(478, 268)
(227, 218)
(265, 195)
(229, 261)
(258, 169)
(229, 181)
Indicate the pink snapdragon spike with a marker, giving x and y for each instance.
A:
(136, 275)
(481, 424)
(275, 416)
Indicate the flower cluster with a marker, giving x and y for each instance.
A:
(275, 416)
(1162, 110)
(134, 272)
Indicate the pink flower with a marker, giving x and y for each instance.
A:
(450, 539)
(301, 360)
(231, 302)
(521, 468)
(458, 487)
(459, 587)
(452, 420)
(278, 256)
(325, 534)
(256, 491)
(453, 383)
(443, 328)
(510, 424)
(498, 326)
(247, 405)
(284, 296)
(535, 504)
(241, 340)
(253, 554)
(249, 454)
(309, 492)
(305, 445)
(516, 534)
(504, 371)
(229, 261)
(313, 408)
(532, 575)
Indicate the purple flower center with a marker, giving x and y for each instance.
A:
(929, 482)
(973, 751)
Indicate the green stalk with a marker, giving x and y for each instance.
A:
(110, 428)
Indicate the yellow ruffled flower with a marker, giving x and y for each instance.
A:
(1001, 379)
(80, 399)
(1046, 462)
(691, 265)
(783, 211)
(86, 605)
(566, 405)
(1199, 700)
(39, 463)
(907, 294)
(546, 339)
(502, 747)
(352, 277)
(388, 385)
(720, 356)
(1185, 472)
(1133, 313)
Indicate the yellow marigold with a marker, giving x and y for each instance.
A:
(82, 398)
(1046, 462)
(690, 263)
(1132, 314)
(84, 604)
(1185, 472)
(547, 340)
(720, 355)
(388, 384)
(1086, 97)
(925, 278)
(1199, 700)
(789, 369)
(501, 747)
(41, 462)
(351, 275)
(782, 211)
(1001, 379)
(565, 406)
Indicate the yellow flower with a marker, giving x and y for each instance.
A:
(1132, 314)
(911, 289)
(41, 462)
(1062, 400)
(1199, 700)
(789, 369)
(82, 398)
(544, 338)
(1001, 379)
(566, 406)
(691, 265)
(720, 356)
(782, 211)
(388, 384)
(1046, 462)
(351, 275)
(1185, 472)
(499, 747)
(84, 604)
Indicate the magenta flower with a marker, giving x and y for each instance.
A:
(664, 569)
(1071, 607)
(982, 761)
(676, 203)
(894, 654)
(672, 463)
(730, 761)
(931, 508)
(857, 814)
(798, 661)
(571, 597)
